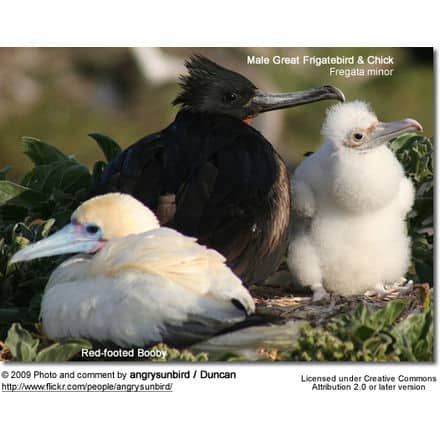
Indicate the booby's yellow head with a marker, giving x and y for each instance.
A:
(116, 215)
(96, 221)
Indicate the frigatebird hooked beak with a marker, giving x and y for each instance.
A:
(214, 89)
(265, 102)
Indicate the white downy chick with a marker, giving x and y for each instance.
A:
(351, 198)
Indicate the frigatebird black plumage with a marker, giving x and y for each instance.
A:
(212, 176)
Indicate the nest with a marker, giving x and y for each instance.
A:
(282, 303)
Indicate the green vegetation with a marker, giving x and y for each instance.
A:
(26, 347)
(41, 203)
(46, 196)
(416, 153)
(369, 336)
(174, 355)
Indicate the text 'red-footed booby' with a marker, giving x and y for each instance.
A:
(351, 198)
(210, 175)
(135, 283)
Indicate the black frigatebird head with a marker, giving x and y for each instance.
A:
(211, 88)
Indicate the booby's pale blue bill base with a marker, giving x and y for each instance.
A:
(71, 239)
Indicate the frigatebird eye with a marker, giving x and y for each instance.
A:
(230, 97)
(92, 229)
(358, 136)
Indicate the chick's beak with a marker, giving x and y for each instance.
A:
(385, 131)
(264, 102)
(69, 240)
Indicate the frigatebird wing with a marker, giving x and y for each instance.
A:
(208, 176)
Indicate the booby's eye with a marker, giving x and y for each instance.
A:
(230, 97)
(93, 229)
(358, 136)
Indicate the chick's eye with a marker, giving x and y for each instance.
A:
(230, 97)
(358, 136)
(92, 229)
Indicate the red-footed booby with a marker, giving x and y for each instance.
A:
(351, 199)
(135, 283)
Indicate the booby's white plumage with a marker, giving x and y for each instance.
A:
(145, 284)
(350, 202)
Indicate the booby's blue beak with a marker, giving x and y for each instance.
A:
(72, 239)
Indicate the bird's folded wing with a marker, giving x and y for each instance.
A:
(178, 259)
(303, 199)
(134, 309)
(136, 171)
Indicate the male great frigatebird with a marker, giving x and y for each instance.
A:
(211, 175)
